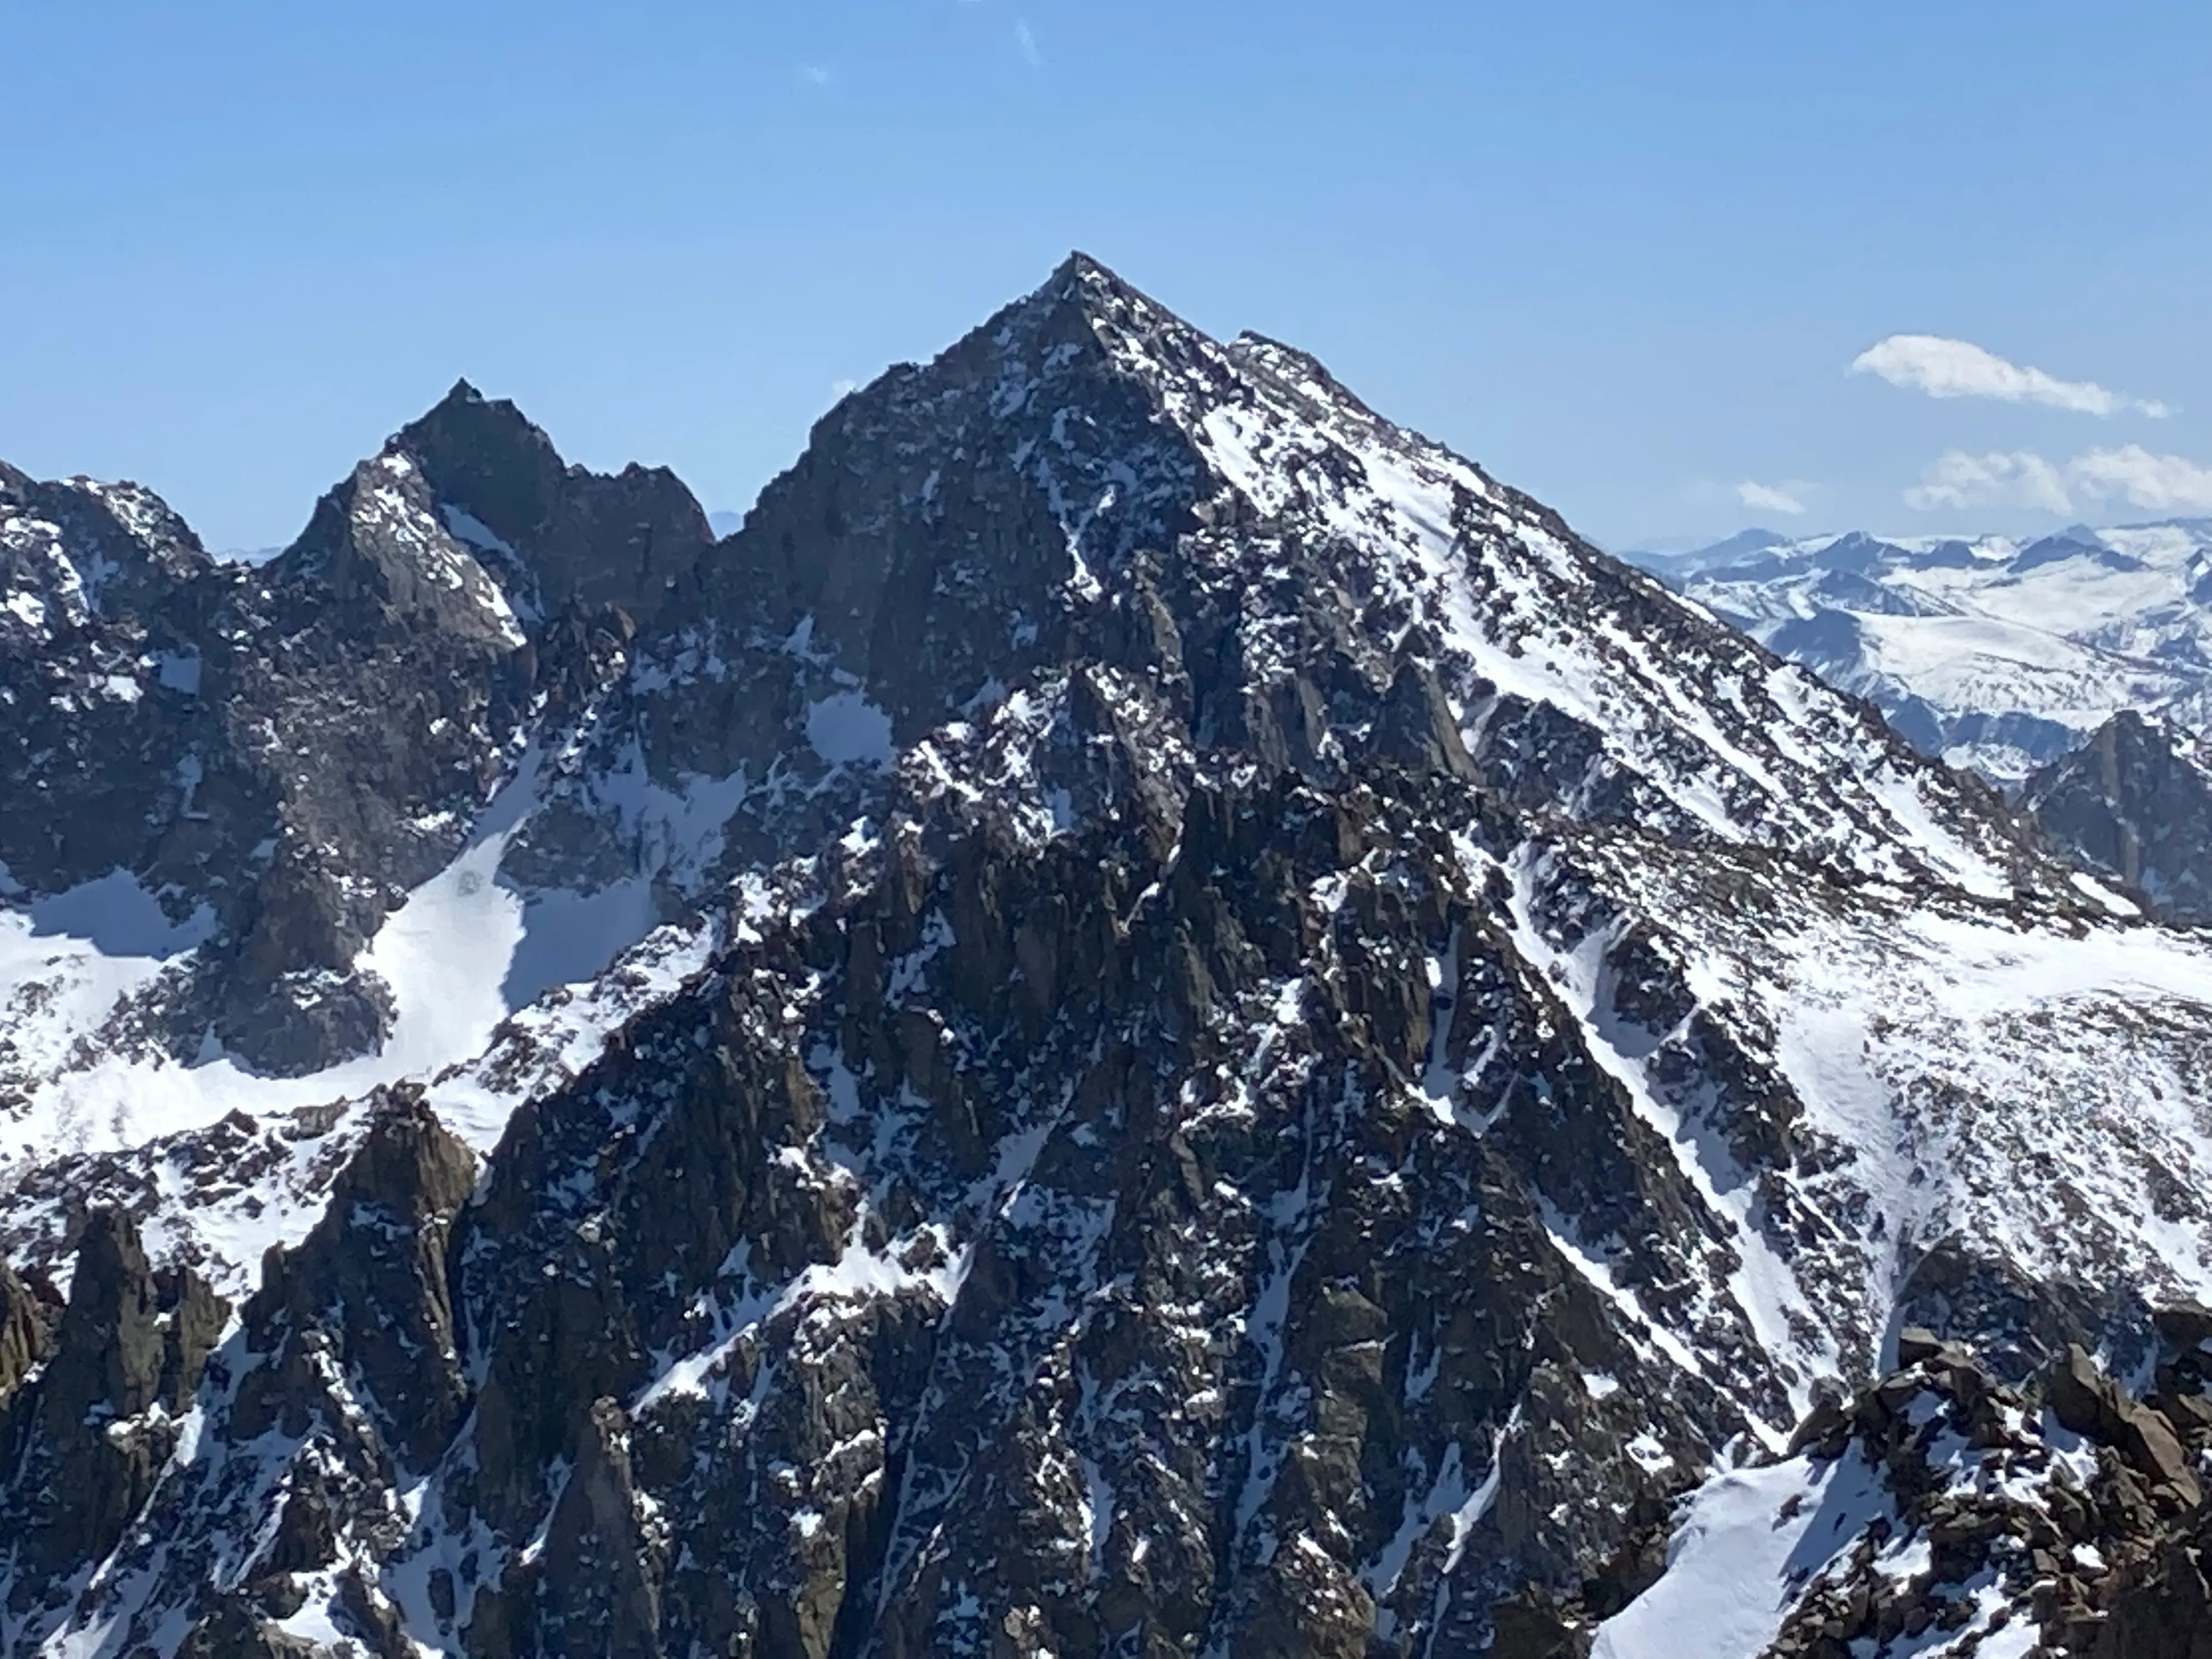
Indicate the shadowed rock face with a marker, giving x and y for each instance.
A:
(571, 536)
(87, 1435)
(280, 753)
(2133, 804)
(1051, 1241)
(369, 1289)
(1240, 1085)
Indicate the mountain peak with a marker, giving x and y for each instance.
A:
(1237, 1005)
(2134, 802)
(564, 531)
(1110, 306)
(73, 547)
(466, 418)
(1090, 272)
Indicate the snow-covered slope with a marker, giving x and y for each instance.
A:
(1222, 1039)
(1998, 654)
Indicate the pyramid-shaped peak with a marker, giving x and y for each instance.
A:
(1093, 282)
(1083, 323)
(1086, 298)
(1086, 286)
(1091, 272)
(561, 531)
(465, 416)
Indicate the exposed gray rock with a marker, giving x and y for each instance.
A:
(95, 1426)
(2134, 804)
(2086, 1401)
(370, 1280)
(279, 753)
(561, 537)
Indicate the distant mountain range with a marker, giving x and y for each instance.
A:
(1992, 652)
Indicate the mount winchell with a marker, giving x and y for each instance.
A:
(1147, 1016)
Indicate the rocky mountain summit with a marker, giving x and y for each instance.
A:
(261, 762)
(1147, 1016)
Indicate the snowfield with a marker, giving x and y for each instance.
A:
(1994, 653)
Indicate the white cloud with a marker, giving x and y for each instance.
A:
(814, 75)
(1028, 41)
(1957, 369)
(1773, 498)
(1958, 480)
(2155, 483)
(841, 388)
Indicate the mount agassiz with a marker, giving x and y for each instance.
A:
(1147, 1016)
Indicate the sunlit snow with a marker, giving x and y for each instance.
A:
(464, 952)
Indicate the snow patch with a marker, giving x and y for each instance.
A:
(1749, 1538)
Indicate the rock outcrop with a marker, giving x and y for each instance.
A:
(2064, 1515)
(2134, 804)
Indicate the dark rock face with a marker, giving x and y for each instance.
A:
(1304, 1302)
(75, 550)
(560, 536)
(28, 1320)
(2133, 806)
(278, 754)
(93, 713)
(1200, 1119)
(91, 1431)
(370, 1283)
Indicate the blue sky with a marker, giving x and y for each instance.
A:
(1622, 254)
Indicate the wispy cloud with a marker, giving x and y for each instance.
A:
(1773, 498)
(1026, 39)
(2159, 483)
(814, 75)
(1957, 481)
(2019, 478)
(842, 387)
(1959, 368)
